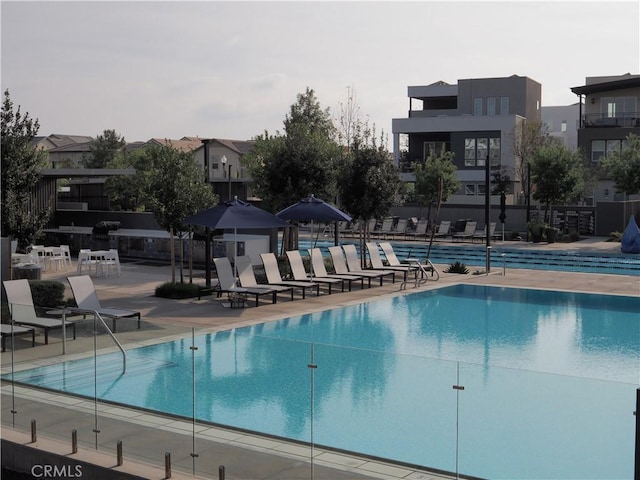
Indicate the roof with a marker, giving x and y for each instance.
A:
(181, 145)
(623, 82)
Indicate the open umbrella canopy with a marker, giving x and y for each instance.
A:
(311, 209)
(235, 214)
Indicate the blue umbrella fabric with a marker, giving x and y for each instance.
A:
(312, 209)
(235, 214)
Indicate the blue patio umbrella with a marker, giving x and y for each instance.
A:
(234, 214)
(312, 209)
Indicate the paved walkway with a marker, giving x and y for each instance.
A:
(147, 436)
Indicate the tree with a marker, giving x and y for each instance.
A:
(22, 164)
(129, 192)
(303, 161)
(559, 175)
(103, 149)
(176, 190)
(527, 138)
(624, 166)
(370, 185)
(436, 180)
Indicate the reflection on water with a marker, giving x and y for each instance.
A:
(384, 378)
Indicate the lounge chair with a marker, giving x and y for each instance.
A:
(274, 278)
(482, 234)
(353, 262)
(247, 277)
(393, 260)
(443, 229)
(378, 264)
(401, 228)
(317, 263)
(23, 311)
(421, 229)
(341, 268)
(300, 274)
(469, 230)
(227, 281)
(6, 331)
(385, 229)
(87, 299)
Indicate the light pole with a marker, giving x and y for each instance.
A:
(224, 161)
(207, 232)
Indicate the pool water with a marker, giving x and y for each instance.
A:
(549, 380)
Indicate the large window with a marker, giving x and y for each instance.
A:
(600, 148)
(469, 152)
(491, 106)
(477, 106)
(504, 105)
(617, 106)
(476, 151)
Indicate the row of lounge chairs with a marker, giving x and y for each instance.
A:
(26, 320)
(241, 278)
(417, 230)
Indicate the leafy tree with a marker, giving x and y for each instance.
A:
(624, 166)
(103, 149)
(302, 161)
(176, 190)
(129, 192)
(370, 185)
(436, 180)
(559, 175)
(22, 164)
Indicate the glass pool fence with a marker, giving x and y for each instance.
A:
(245, 389)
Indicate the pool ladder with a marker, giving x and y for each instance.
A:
(424, 268)
(97, 316)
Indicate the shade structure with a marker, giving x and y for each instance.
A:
(313, 209)
(233, 215)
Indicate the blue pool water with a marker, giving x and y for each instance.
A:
(549, 380)
(475, 255)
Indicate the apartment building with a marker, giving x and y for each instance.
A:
(476, 120)
(609, 112)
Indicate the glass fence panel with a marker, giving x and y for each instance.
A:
(523, 424)
(396, 407)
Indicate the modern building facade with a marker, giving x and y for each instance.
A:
(609, 112)
(475, 119)
(562, 122)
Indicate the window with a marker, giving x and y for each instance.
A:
(597, 150)
(563, 126)
(504, 105)
(480, 189)
(477, 106)
(470, 189)
(469, 152)
(491, 106)
(433, 148)
(483, 151)
(613, 146)
(494, 151)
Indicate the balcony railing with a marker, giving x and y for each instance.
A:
(600, 120)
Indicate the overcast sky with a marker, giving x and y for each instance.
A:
(232, 69)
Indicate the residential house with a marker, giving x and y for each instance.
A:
(609, 112)
(476, 120)
(562, 122)
(64, 151)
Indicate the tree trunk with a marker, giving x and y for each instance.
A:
(172, 252)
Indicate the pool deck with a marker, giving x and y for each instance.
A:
(147, 436)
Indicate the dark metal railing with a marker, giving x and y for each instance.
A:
(601, 120)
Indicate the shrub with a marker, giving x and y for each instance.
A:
(615, 237)
(457, 267)
(178, 290)
(47, 293)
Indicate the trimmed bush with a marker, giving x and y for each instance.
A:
(47, 293)
(178, 290)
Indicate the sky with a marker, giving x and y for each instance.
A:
(232, 70)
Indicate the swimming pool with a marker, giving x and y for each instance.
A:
(475, 255)
(549, 380)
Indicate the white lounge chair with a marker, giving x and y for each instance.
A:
(300, 274)
(353, 262)
(378, 264)
(469, 230)
(317, 262)
(23, 311)
(274, 278)
(7, 330)
(87, 299)
(247, 277)
(340, 265)
(443, 229)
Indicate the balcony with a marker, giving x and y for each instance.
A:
(599, 120)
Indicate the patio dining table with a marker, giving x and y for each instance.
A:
(98, 262)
